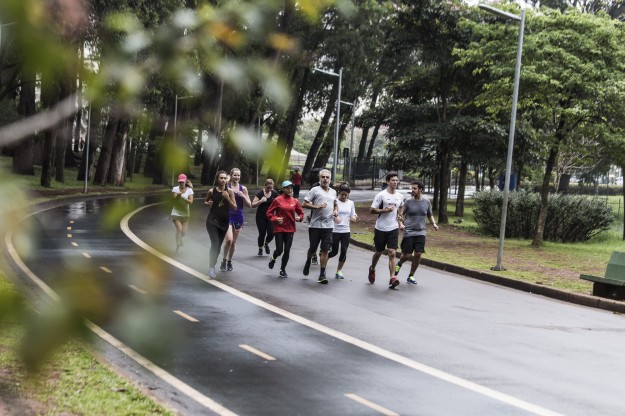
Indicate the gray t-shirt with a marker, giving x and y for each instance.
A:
(322, 217)
(416, 212)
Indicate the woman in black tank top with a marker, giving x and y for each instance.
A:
(220, 199)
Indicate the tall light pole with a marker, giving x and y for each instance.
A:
(4, 25)
(515, 96)
(87, 148)
(351, 141)
(176, 128)
(338, 117)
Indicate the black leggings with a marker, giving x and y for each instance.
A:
(217, 235)
(265, 230)
(343, 240)
(283, 243)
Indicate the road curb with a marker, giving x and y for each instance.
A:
(576, 298)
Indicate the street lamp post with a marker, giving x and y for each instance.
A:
(5, 25)
(515, 96)
(338, 117)
(176, 128)
(351, 142)
(87, 149)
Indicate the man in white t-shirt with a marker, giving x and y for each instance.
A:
(386, 233)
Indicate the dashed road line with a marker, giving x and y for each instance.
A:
(74, 244)
(86, 255)
(257, 352)
(69, 236)
(185, 316)
(371, 405)
(105, 269)
(136, 289)
(69, 228)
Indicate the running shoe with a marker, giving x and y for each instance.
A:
(177, 248)
(267, 248)
(371, 275)
(411, 280)
(260, 251)
(306, 267)
(322, 279)
(272, 261)
(339, 275)
(222, 267)
(212, 273)
(392, 284)
(314, 260)
(283, 273)
(230, 266)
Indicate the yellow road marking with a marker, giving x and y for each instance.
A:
(136, 289)
(106, 270)
(185, 316)
(257, 352)
(371, 405)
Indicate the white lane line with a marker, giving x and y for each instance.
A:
(371, 405)
(439, 374)
(185, 316)
(141, 360)
(86, 255)
(257, 352)
(105, 269)
(69, 236)
(69, 228)
(136, 289)
(74, 244)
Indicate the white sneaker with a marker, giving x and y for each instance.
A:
(212, 273)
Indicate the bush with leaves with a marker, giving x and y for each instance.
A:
(569, 219)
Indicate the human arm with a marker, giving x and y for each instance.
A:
(246, 197)
(259, 198)
(400, 218)
(310, 205)
(299, 213)
(431, 218)
(229, 196)
(208, 200)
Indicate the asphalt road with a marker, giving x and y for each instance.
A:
(251, 343)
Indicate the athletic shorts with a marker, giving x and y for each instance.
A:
(320, 235)
(385, 239)
(413, 244)
(179, 218)
(236, 225)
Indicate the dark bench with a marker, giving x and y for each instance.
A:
(612, 285)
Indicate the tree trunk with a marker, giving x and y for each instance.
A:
(363, 140)
(444, 182)
(50, 94)
(461, 188)
(23, 153)
(102, 168)
(477, 177)
(319, 136)
(374, 136)
(117, 171)
(544, 196)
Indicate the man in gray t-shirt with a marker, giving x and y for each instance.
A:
(321, 200)
(412, 220)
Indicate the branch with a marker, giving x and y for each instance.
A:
(15, 132)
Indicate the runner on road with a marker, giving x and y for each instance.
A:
(386, 232)
(342, 232)
(180, 212)
(284, 212)
(220, 199)
(412, 220)
(236, 218)
(262, 201)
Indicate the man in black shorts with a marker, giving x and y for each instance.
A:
(321, 200)
(412, 220)
(386, 232)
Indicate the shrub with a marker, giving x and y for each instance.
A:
(569, 218)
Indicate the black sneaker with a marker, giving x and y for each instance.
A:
(230, 266)
(283, 273)
(322, 279)
(267, 248)
(306, 267)
(222, 267)
(260, 251)
(314, 260)
(272, 261)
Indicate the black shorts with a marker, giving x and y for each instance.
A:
(320, 235)
(385, 239)
(413, 244)
(236, 225)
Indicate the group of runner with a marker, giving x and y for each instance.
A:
(329, 227)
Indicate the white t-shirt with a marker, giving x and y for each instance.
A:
(387, 221)
(322, 217)
(346, 210)
(181, 208)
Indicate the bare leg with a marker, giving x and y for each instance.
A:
(375, 258)
(228, 242)
(391, 262)
(235, 236)
(416, 259)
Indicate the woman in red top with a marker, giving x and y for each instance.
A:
(284, 212)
